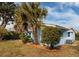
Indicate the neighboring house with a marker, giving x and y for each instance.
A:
(9, 26)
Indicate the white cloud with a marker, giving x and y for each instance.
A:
(69, 14)
(70, 3)
(50, 9)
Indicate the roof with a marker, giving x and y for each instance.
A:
(53, 25)
(61, 27)
(72, 29)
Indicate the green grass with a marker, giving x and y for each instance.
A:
(17, 48)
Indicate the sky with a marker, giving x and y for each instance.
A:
(62, 13)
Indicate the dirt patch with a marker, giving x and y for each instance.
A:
(17, 48)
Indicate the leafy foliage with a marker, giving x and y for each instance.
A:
(77, 36)
(7, 10)
(3, 32)
(11, 36)
(51, 35)
(6, 35)
(27, 15)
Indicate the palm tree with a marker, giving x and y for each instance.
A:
(21, 20)
(7, 10)
(34, 15)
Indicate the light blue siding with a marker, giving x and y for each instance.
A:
(65, 37)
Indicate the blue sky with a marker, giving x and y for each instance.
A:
(62, 13)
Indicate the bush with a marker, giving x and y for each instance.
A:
(51, 36)
(3, 32)
(77, 36)
(11, 35)
(25, 38)
(6, 35)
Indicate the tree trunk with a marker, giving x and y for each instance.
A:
(4, 23)
(1, 37)
(35, 32)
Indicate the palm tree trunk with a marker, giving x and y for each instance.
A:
(35, 33)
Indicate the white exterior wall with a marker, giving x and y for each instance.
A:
(9, 26)
(65, 37)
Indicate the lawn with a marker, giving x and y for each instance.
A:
(17, 48)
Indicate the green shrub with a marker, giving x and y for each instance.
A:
(51, 35)
(3, 32)
(11, 35)
(25, 38)
(77, 36)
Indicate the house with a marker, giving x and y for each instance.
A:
(10, 24)
(68, 36)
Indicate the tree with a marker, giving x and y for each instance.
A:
(32, 15)
(7, 11)
(19, 20)
(51, 35)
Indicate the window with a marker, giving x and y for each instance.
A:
(68, 34)
(68, 41)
